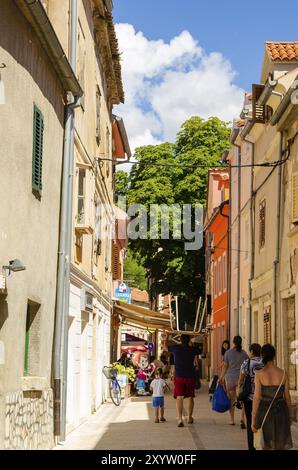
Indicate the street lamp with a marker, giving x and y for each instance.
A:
(14, 266)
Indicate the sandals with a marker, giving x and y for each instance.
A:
(181, 424)
(190, 421)
(163, 420)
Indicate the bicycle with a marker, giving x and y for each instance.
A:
(114, 388)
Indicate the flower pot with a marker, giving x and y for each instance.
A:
(128, 390)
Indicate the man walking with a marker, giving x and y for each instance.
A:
(184, 379)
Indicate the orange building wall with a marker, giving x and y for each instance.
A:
(219, 228)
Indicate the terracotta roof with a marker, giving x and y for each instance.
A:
(138, 295)
(282, 51)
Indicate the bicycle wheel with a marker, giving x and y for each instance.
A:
(115, 392)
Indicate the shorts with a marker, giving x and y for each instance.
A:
(184, 387)
(231, 384)
(158, 402)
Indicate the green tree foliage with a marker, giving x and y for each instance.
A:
(134, 271)
(199, 142)
(122, 182)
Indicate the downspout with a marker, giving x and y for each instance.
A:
(252, 234)
(239, 235)
(277, 250)
(229, 257)
(63, 281)
(229, 254)
(73, 63)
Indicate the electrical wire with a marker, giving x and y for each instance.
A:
(201, 165)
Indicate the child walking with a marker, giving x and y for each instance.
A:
(158, 386)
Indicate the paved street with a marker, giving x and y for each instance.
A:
(131, 427)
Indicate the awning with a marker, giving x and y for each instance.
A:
(146, 318)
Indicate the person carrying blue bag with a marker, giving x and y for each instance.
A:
(220, 400)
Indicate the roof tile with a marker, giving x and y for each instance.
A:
(282, 51)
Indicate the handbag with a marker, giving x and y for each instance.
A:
(220, 400)
(259, 442)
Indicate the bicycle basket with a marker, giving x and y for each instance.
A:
(109, 372)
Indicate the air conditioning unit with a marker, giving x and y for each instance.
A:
(86, 300)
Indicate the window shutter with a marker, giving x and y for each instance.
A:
(267, 325)
(116, 261)
(37, 156)
(258, 112)
(98, 106)
(295, 197)
(262, 222)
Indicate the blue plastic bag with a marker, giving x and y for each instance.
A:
(220, 400)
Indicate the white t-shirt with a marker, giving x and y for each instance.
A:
(157, 386)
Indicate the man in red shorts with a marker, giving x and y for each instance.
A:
(184, 379)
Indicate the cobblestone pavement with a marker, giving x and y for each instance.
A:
(131, 427)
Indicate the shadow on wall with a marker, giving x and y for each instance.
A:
(3, 312)
(19, 40)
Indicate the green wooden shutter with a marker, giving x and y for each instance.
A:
(37, 150)
(26, 356)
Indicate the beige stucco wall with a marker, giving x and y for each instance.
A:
(29, 228)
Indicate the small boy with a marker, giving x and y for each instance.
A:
(158, 386)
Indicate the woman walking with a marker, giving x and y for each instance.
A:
(249, 368)
(272, 404)
(232, 361)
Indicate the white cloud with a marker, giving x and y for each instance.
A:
(167, 83)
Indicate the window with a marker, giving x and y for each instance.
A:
(97, 225)
(262, 223)
(81, 61)
(108, 257)
(224, 272)
(219, 267)
(295, 198)
(215, 279)
(85, 199)
(98, 109)
(81, 196)
(32, 340)
(38, 126)
(267, 325)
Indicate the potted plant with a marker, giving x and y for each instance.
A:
(130, 374)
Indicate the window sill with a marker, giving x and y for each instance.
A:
(33, 383)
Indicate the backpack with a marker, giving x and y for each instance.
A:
(245, 388)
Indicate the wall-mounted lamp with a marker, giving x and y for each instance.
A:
(14, 266)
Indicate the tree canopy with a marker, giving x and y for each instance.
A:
(172, 268)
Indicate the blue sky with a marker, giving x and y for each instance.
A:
(237, 29)
(192, 57)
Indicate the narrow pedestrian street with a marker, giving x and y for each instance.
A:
(132, 427)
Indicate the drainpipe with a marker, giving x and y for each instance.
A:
(229, 254)
(73, 63)
(239, 234)
(252, 232)
(64, 255)
(277, 250)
